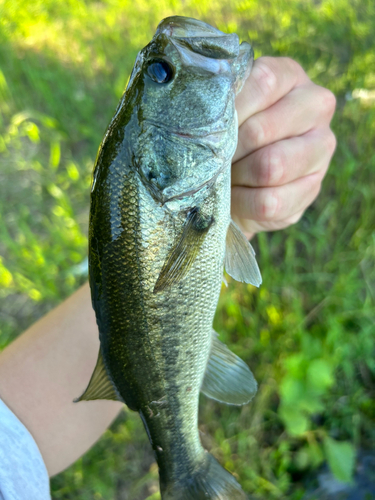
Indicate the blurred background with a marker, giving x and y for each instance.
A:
(307, 333)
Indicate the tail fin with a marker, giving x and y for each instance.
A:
(210, 482)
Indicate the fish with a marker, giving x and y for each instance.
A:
(160, 236)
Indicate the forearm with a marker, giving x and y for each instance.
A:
(45, 369)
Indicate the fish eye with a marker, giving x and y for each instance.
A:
(160, 71)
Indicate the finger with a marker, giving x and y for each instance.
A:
(303, 109)
(250, 227)
(286, 160)
(275, 203)
(270, 79)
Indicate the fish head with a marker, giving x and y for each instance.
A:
(204, 49)
(184, 82)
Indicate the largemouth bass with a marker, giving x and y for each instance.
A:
(160, 233)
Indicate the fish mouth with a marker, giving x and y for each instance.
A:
(193, 39)
(180, 26)
(200, 37)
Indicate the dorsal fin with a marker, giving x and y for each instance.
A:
(100, 385)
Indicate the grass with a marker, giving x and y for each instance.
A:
(308, 333)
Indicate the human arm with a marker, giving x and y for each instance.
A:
(48, 366)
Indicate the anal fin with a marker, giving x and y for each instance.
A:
(240, 262)
(228, 379)
(100, 385)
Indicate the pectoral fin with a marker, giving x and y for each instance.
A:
(100, 386)
(183, 254)
(240, 262)
(227, 379)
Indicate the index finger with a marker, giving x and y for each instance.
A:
(270, 79)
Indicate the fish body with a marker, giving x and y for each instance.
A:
(159, 226)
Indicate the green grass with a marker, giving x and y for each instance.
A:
(308, 333)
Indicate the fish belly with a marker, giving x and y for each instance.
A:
(156, 345)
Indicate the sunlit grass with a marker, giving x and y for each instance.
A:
(308, 333)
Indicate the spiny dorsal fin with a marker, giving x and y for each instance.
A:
(240, 262)
(100, 386)
(183, 254)
(228, 379)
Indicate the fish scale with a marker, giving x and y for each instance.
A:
(160, 234)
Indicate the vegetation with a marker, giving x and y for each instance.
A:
(308, 333)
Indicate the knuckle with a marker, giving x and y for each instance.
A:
(265, 76)
(316, 184)
(328, 101)
(331, 142)
(294, 65)
(277, 165)
(263, 174)
(267, 205)
(272, 166)
(255, 133)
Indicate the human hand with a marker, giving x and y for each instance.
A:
(284, 146)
